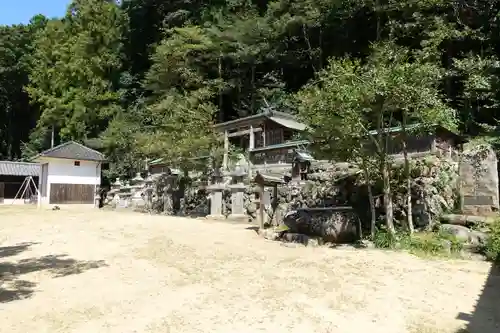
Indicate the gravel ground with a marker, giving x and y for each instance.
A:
(87, 271)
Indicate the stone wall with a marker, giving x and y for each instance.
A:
(435, 189)
(479, 175)
(434, 192)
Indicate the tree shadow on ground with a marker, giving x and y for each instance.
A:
(253, 228)
(486, 315)
(13, 287)
(8, 251)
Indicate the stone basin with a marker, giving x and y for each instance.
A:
(332, 224)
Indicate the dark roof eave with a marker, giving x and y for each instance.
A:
(458, 138)
(75, 158)
(251, 119)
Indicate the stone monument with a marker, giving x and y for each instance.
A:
(479, 181)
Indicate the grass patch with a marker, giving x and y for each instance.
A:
(421, 243)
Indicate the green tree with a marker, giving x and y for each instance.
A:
(337, 108)
(17, 116)
(181, 130)
(352, 106)
(178, 116)
(76, 68)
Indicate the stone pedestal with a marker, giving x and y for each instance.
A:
(124, 200)
(97, 200)
(216, 201)
(238, 203)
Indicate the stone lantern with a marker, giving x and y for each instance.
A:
(216, 190)
(125, 195)
(238, 194)
(97, 197)
(113, 194)
(137, 186)
(171, 185)
(148, 190)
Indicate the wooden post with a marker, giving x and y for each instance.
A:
(275, 205)
(226, 151)
(259, 180)
(251, 144)
(433, 145)
(261, 206)
(264, 143)
(52, 137)
(459, 180)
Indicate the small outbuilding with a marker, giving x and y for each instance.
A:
(69, 174)
(16, 179)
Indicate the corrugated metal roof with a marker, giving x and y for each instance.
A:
(303, 156)
(9, 168)
(289, 123)
(290, 144)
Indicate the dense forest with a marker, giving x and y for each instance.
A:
(147, 78)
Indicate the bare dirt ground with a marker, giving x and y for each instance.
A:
(87, 271)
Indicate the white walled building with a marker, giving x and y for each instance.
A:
(70, 174)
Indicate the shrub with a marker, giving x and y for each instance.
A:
(492, 248)
(428, 243)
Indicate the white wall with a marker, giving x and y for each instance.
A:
(64, 171)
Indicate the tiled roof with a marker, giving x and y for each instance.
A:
(73, 150)
(8, 168)
(284, 119)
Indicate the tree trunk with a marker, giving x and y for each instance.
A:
(372, 205)
(409, 211)
(221, 113)
(389, 214)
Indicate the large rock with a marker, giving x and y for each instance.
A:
(270, 233)
(465, 220)
(302, 239)
(478, 238)
(434, 189)
(472, 237)
(335, 226)
(479, 181)
(460, 232)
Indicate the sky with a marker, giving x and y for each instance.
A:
(21, 11)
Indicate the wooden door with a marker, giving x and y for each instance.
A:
(72, 194)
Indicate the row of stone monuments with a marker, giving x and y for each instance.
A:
(141, 193)
(130, 194)
(237, 188)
